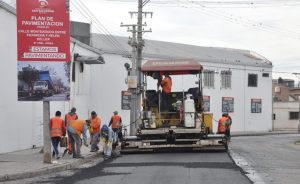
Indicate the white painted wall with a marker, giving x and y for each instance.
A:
(107, 83)
(281, 111)
(243, 119)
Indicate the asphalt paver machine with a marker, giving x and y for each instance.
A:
(178, 122)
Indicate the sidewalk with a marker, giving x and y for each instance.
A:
(238, 134)
(29, 163)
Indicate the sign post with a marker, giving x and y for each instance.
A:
(46, 133)
(43, 30)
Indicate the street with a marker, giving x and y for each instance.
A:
(272, 159)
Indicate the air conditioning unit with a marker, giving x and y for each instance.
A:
(277, 89)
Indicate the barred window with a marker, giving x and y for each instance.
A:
(209, 78)
(226, 79)
(252, 80)
(294, 115)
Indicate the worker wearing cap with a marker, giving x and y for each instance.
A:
(69, 117)
(76, 128)
(116, 125)
(107, 139)
(57, 130)
(94, 130)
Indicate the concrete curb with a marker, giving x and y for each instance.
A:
(49, 169)
(262, 133)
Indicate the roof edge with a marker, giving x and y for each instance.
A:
(7, 7)
(90, 48)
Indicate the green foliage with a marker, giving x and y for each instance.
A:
(28, 75)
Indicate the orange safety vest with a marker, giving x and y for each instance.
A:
(56, 129)
(77, 125)
(166, 84)
(95, 124)
(222, 124)
(115, 121)
(70, 118)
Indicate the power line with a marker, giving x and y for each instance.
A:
(84, 13)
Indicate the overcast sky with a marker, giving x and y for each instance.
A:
(268, 27)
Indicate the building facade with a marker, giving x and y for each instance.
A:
(22, 122)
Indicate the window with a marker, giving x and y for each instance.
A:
(256, 105)
(73, 72)
(226, 79)
(294, 115)
(252, 80)
(209, 78)
(265, 74)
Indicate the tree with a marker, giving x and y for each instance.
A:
(28, 74)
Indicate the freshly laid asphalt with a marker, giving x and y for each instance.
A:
(155, 168)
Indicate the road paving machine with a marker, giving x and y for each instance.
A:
(176, 120)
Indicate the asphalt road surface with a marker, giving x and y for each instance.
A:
(156, 168)
(270, 159)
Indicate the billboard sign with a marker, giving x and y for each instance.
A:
(206, 103)
(43, 30)
(126, 100)
(256, 105)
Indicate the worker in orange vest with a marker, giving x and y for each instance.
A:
(94, 128)
(76, 128)
(57, 130)
(69, 117)
(223, 124)
(116, 125)
(166, 84)
(166, 101)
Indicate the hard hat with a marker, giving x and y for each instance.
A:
(115, 112)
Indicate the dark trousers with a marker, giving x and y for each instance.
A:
(55, 142)
(227, 133)
(166, 102)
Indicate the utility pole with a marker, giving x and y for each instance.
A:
(137, 44)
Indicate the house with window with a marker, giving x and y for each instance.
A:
(286, 104)
(235, 81)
